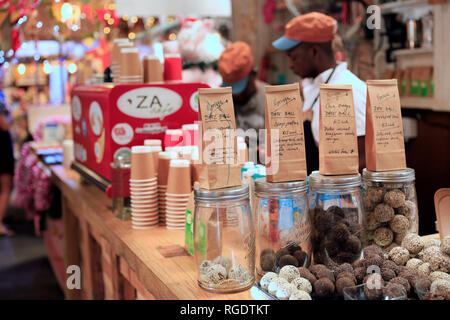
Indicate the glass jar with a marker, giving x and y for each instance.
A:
(282, 224)
(224, 239)
(390, 204)
(336, 213)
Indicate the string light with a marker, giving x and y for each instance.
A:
(125, 18)
(106, 30)
(66, 11)
(111, 6)
(75, 27)
(111, 21)
(134, 19)
(56, 29)
(131, 35)
(172, 36)
(47, 67)
(39, 24)
(72, 68)
(36, 57)
(107, 16)
(21, 68)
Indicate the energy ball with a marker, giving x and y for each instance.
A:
(399, 238)
(362, 263)
(413, 243)
(374, 194)
(387, 274)
(224, 262)
(216, 273)
(287, 260)
(266, 279)
(315, 268)
(423, 284)
(383, 237)
(402, 281)
(268, 262)
(373, 286)
(292, 247)
(346, 274)
(302, 284)
(430, 252)
(439, 286)
(239, 273)
(394, 198)
(359, 273)
(399, 269)
(325, 274)
(373, 250)
(389, 264)
(324, 288)
(440, 262)
(301, 257)
(332, 248)
(414, 264)
(389, 247)
(369, 205)
(445, 245)
(393, 290)
(280, 253)
(439, 275)
(408, 209)
(424, 269)
(343, 267)
(305, 273)
(267, 251)
(399, 224)
(409, 275)
(374, 260)
(353, 244)
(336, 212)
(431, 243)
(340, 233)
(284, 291)
(300, 295)
(289, 273)
(274, 284)
(383, 212)
(342, 283)
(399, 255)
(323, 220)
(204, 266)
(371, 222)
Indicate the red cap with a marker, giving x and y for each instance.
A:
(236, 62)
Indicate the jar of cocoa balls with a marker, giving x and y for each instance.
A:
(337, 215)
(224, 239)
(282, 225)
(390, 205)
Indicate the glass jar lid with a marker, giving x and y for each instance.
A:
(406, 175)
(225, 194)
(279, 188)
(317, 180)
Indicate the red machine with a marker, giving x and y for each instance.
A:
(108, 120)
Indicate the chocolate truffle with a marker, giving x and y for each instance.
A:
(346, 274)
(343, 267)
(371, 223)
(431, 243)
(322, 273)
(445, 245)
(394, 198)
(353, 244)
(315, 268)
(374, 194)
(399, 255)
(292, 247)
(324, 288)
(204, 266)
(389, 264)
(440, 287)
(359, 273)
(287, 260)
(373, 250)
(268, 262)
(389, 247)
(360, 263)
(413, 243)
(224, 262)
(282, 252)
(373, 286)
(374, 260)
(387, 274)
(331, 247)
(383, 236)
(369, 205)
(439, 275)
(322, 220)
(404, 282)
(424, 269)
(284, 291)
(383, 212)
(399, 224)
(301, 257)
(399, 269)
(305, 273)
(343, 257)
(336, 212)
(216, 273)
(266, 279)
(267, 251)
(342, 283)
(289, 273)
(413, 264)
(409, 275)
(393, 291)
(300, 295)
(302, 284)
(340, 233)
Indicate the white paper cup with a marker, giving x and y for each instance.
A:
(143, 181)
(144, 215)
(144, 227)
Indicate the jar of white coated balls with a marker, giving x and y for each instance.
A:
(390, 207)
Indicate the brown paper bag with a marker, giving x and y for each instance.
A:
(385, 147)
(285, 149)
(338, 143)
(219, 167)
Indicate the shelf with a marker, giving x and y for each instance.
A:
(414, 57)
(413, 52)
(417, 102)
(399, 6)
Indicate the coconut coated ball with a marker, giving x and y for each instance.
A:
(224, 262)
(371, 223)
(274, 284)
(399, 224)
(430, 252)
(266, 279)
(413, 243)
(239, 273)
(284, 291)
(399, 255)
(414, 264)
(440, 287)
(383, 237)
(440, 262)
(289, 273)
(374, 194)
(439, 275)
(394, 198)
(216, 273)
(383, 212)
(408, 209)
(204, 266)
(300, 295)
(342, 283)
(399, 238)
(390, 247)
(445, 245)
(424, 269)
(324, 288)
(431, 243)
(302, 284)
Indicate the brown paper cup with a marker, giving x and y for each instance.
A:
(141, 163)
(179, 177)
(164, 159)
(152, 69)
(130, 65)
(155, 154)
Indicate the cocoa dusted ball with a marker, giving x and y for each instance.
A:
(282, 252)
(287, 260)
(399, 224)
(267, 251)
(383, 236)
(340, 233)
(346, 274)
(353, 244)
(402, 281)
(343, 267)
(305, 273)
(315, 268)
(268, 262)
(336, 212)
(389, 264)
(342, 283)
(423, 284)
(399, 269)
(300, 256)
(390, 247)
(373, 250)
(394, 198)
(374, 260)
(362, 263)
(409, 275)
(387, 274)
(332, 248)
(383, 212)
(360, 273)
(322, 220)
(393, 291)
(322, 273)
(343, 257)
(292, 247)
(324, 288)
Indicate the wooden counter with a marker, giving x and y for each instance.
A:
(116, 261)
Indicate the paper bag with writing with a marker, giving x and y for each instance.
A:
(338, 143)
(285, 139)
(385, 147)
(218, 168)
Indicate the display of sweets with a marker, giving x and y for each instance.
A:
(390, 207)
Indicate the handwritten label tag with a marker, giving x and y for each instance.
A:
(338, 143)
(285, 138)
(219, 168)
(385, 146)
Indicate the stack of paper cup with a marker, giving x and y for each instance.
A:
(190, 134)
(164, 159)
(143, 189)
(115, 65)
(152, 142)
(130, 66)
(155, 150)
(173, 138)
(178, 191)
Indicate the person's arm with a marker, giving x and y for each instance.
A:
(362, 152)
(3, 123)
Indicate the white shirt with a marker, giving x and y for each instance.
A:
(341, 76)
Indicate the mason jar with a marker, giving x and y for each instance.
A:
(282, 224)
(337, 217)
(390, 204)
(224, 239)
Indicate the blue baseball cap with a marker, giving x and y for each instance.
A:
(237, 87)
(284, 43)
